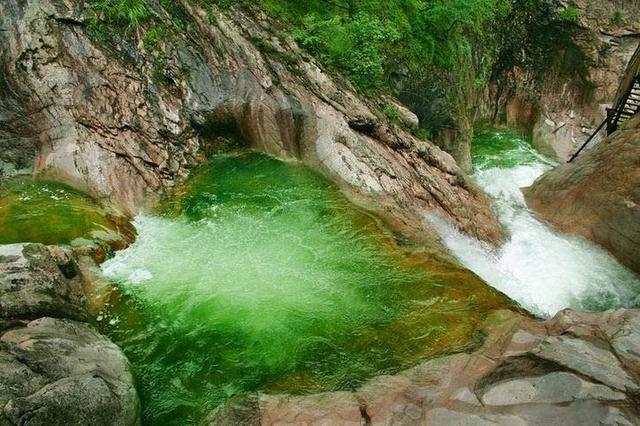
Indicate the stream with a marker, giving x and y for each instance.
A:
(541, 269)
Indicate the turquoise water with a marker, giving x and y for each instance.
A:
(261, 276)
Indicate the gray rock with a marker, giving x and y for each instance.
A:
(552, 388)
(63, 372)
(626, 343)
(36, 281)
(444, 416)
(587, 359)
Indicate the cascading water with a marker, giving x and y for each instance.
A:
(538, 267)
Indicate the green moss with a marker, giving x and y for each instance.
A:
(127, 14)
(571, 14)
(618, 16)
(423, 134)
(392, 113)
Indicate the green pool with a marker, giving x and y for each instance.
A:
(261, 276)
(52, 213)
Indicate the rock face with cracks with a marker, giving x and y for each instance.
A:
(123, 125)
(575, 369)
(54, 368)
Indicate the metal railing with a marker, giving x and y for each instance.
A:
(627, 107)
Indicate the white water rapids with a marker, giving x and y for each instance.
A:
(541, 269)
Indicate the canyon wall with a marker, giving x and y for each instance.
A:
(125, 119)
(597, 195)
(562, 100)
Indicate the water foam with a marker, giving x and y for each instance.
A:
(541, 269)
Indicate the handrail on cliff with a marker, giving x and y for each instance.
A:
(627, 107)
(593, 135)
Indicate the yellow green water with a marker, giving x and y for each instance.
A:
(261, 276)
(51, 213)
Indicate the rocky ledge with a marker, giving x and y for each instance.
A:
(575, 369)
(55, 368)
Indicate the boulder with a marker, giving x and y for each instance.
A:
(37, 281)
(55, 369)
(63, 372)
(597, 196)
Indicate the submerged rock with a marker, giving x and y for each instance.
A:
(54, 369)
(526, 373)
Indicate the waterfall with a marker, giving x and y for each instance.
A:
(543, 270)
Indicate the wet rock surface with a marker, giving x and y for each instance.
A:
(102, 121)
(54, 368)
(597, 196)
(574, 369)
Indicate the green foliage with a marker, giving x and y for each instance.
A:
(423, 134)
(153, 37)
(355, 45)
(535, 37)
(391, 112)
(125, 13)
(618, 16)
(364, 39)
(571, 14)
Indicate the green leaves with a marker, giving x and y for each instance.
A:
(365, 38)
(129, 13)
(356, 45)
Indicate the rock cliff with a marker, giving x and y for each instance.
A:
(126, 122)
(561, 101)
(597, 195)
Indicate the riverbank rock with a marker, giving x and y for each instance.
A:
(36, 282)
(597, 195)
(575, 369)
(63, 372)
(126, 120)
(54, 368)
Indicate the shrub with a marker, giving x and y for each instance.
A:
(571, 14)
(128, 13)
(391, 112)
(617, 17)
